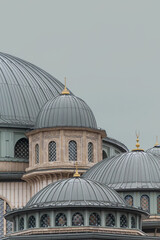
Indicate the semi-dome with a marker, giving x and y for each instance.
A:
(76, 192)
(66, 110)
(24, 89)
(128, 171)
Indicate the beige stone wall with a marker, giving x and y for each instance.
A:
(7, 166)
(16, 194)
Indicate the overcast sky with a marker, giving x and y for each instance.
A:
(109, 50)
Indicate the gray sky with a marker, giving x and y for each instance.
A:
(109, 50)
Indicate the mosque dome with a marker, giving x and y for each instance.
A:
(66, 110)
(76, 192)
(156, 149)
(128, 171)
(24, 89)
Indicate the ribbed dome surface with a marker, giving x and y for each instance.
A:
(66, 111)
(155, 150)
(133, 170)
(24, 89)
(76, 192)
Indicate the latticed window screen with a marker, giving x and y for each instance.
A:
(21, 223)
(31, 222)
(21, 149)
(77, 219)
(104, 154)
(123, 221)
(61, 219)
(110, 220)
(72, 151)
(145, 202)
(45, 221)
(52, 151)
(37, 153)
(94, 219)
(8, 223)
(158, 204)
(133, 222)
(129, 200)
(15, 225)
(4, 207)
(90, 152)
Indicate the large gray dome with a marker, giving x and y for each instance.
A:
(66, 111)
(24, 89)
(154, 150)
(128, 171)
(76, 192)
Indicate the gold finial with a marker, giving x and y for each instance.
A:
(65, 91)
(76, 174)
(157, 144)
(137, 144)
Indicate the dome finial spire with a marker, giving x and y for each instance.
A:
(137, 144)
(157, 144)
(76, 174)
(65, 91)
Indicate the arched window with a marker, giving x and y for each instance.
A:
(133, 222)
(72, 151)
(21, 149)
(52, 151)
(94, 219)
(145, 203)
(90, 152)
(61, 219)
(37, 153)
(110, 220)
(45, 221)
(104, 154)
(129, 200)
(31, 222)
(123, 221)
(21, 223)
(77, 219)
(4, 225)
(158, 204)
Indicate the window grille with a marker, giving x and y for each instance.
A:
(1, 218)
(45, 221)
(61, 220)
(145, 203)
(21, 149)
(110, 220)
(77, 219)
(133, 222)
(90, 152)
(72, 151)
(21, 223)
(158, 204)
(8, 223)
(94, 219)
(31, 222)
(15, 225)
(123, 221)
(129, 200)
(52, 151)
(37, 153)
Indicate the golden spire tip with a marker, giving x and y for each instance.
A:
(76, 174)
(65, 91)
(137, 144)
(157, 144)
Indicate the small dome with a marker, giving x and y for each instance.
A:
(133, 170)
(154, 150)
(66, 111)
(76, 192)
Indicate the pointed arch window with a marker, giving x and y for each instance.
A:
(21, 149)
(37, 153)
(61, 219)
(21, 223)
(110, 220)
(52, 151)
(77, 219)
(94, 219)
(123, 221)
(145, 204)
(158, 204)
(72, 151)
(133, 222)
(45, 220)
(31, 222)
(129, 200)
(90, 152)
